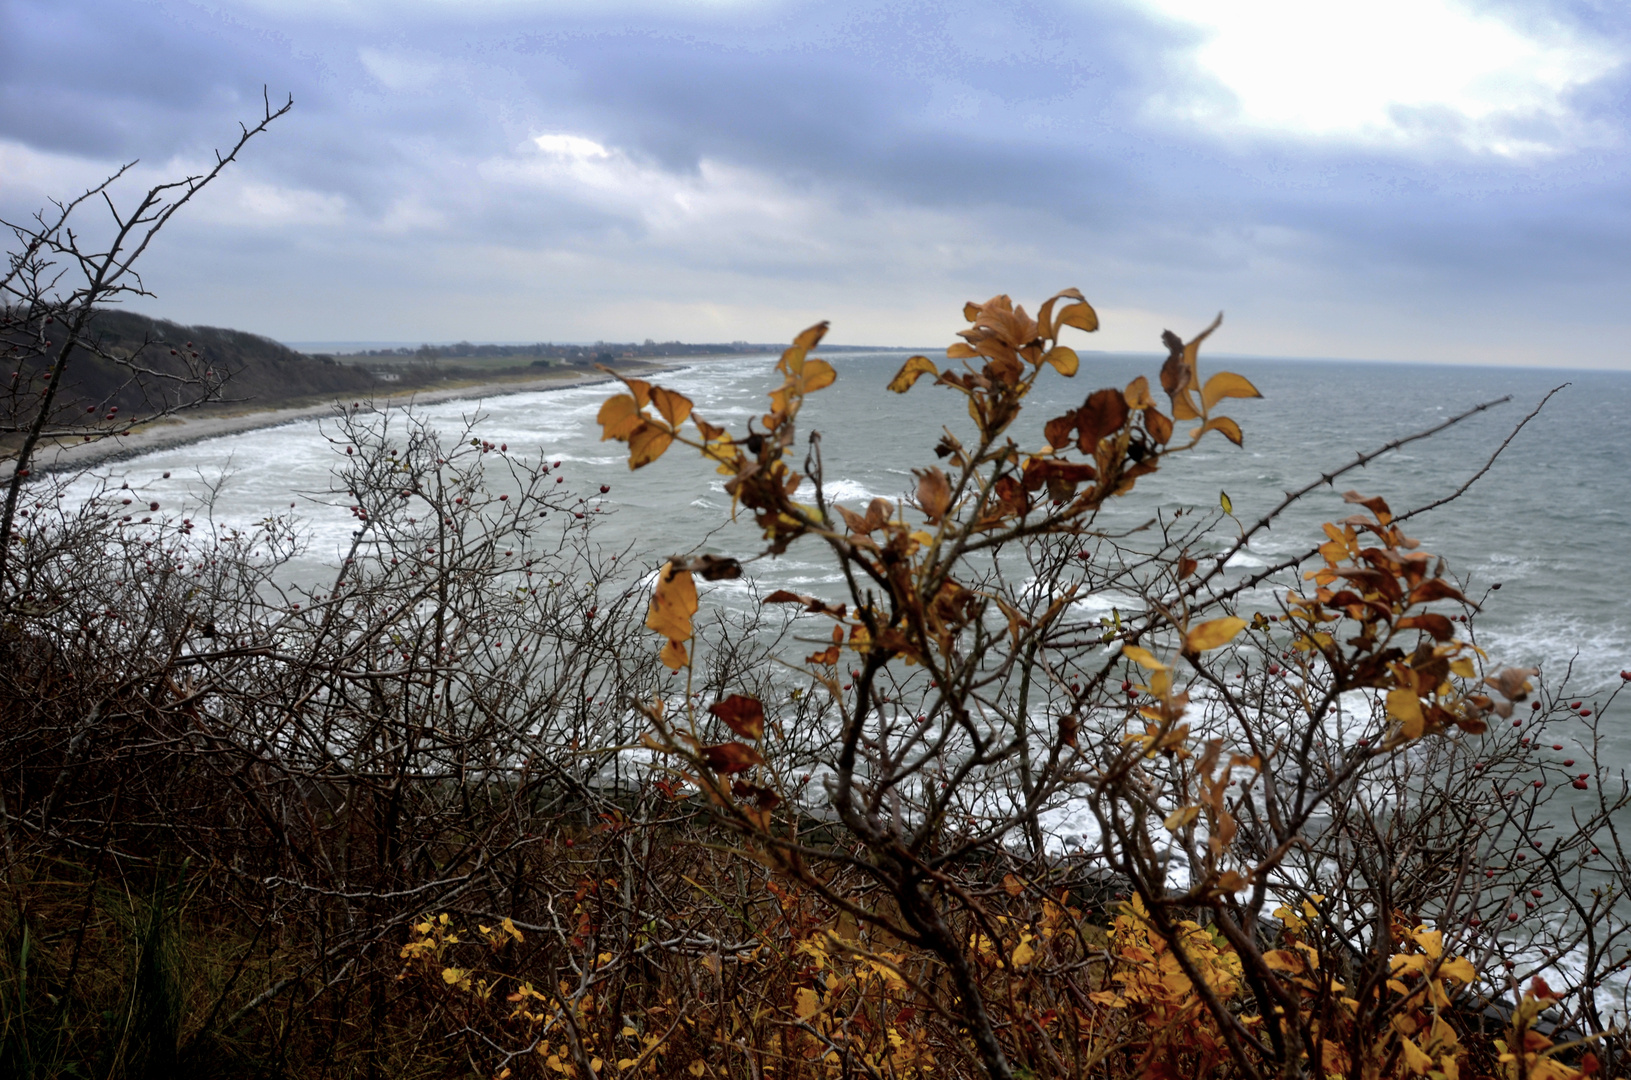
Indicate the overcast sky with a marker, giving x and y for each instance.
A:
(1433, 180)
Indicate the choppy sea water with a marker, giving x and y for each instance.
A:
(1548, 522)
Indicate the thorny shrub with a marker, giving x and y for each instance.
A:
(1241, 747)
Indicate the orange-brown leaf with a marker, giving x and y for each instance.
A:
(1104, 412)
(933, 494)
(1436, 625)
(1374, 503)
(1159, 427)
(1058, 430)
(731, 757)
(742, 714)
(647, 443)
(1434, 589)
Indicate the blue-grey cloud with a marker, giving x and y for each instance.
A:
(742, 163)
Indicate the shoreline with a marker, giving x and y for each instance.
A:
(171, 432)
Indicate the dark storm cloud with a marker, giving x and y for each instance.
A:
(1030, 123)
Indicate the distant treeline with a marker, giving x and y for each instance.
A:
(600, 351)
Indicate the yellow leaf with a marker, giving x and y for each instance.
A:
(811, 337)
(1181, 817)
(1283, 960)
(1142, 657)
(696, 1068)
(910, 371)
(673, 603)
(674, 407)
(1418, 1062)
(1404, 706)
(1224, 501)
(674, 655)
(1081, 316)
(1226, 384)
(1460, 969)
(805, 1003)
(1138, 394)
(618, 418)
(647, 443)
(1063, 360)
(1023, 954)
(818, 375)
(1463, 667)
(1213, 633)
(1230, 429)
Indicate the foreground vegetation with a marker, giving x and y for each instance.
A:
(497, 801)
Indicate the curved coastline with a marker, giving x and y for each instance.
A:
(171, 432)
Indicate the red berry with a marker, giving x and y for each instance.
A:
(1567, 762)
(604, 488)
(1575, 704)
(1584, 713)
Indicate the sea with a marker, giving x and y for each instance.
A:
(1542, 535)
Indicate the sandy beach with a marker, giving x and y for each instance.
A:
(186, 428)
